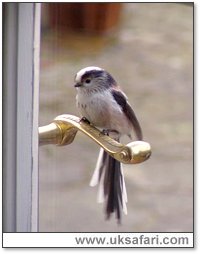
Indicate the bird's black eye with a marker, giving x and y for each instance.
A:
(87, 80)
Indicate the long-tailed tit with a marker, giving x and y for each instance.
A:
(100, 100)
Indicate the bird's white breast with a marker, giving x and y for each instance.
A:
(103, 111)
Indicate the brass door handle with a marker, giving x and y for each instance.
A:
(63, 129)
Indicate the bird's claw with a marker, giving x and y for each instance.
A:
(85, 120)
(107, 132)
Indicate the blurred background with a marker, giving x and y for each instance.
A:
(148, 48)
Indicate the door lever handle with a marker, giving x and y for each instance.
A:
(63, 129)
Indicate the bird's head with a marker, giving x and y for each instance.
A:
(91, 78)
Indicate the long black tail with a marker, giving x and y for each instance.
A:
(112, 190)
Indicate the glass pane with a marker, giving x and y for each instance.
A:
(148, 49)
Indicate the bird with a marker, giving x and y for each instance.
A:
(102, 103)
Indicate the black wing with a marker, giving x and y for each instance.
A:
(128, 111)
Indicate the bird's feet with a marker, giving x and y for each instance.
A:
(108, 132)
(85, 120)
(105, 132)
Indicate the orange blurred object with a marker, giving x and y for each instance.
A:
(85, 17)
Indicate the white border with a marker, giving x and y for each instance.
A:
(111, 240)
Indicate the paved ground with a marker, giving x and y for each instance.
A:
(151, 57)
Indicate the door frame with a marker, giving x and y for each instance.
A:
(21, 49)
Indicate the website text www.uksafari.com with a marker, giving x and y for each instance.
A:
(136, 240)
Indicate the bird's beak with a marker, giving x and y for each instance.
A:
(78, 85)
